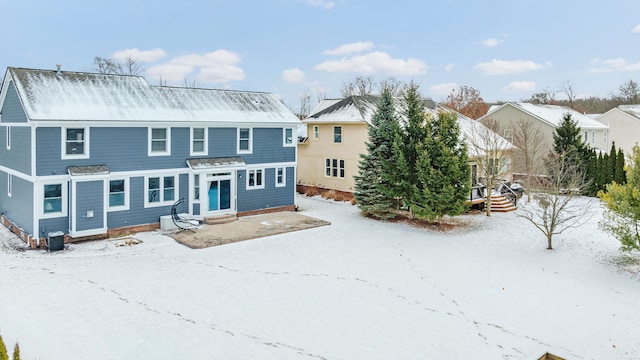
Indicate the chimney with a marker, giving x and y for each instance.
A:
(58, 72)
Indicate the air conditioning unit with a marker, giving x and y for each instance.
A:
(55, 241)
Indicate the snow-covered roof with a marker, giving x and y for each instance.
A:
(633, 110)
(553, 114)
(353, 109)
(77, 96)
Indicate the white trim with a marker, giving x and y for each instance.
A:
(206, 141)
(205, 181)
(65, 198)
(167, 150)
(85, 143)
(250, 150)
(9, 184)
(89, 232)
(284, 137)
(8, 131)
(316, 134)
(162, 202)
(284, 176)
(262, 178)
(107, 192)
(334, 134)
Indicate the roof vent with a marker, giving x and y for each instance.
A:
(58, 72)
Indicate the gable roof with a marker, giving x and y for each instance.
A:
(552, 114)
(353, 109)
(48, 95)
(633, 110)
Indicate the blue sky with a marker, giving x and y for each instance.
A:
(506, 49)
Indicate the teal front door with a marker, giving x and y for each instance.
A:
(219, 194)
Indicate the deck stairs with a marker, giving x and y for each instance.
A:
(220, 219)
(500, 203)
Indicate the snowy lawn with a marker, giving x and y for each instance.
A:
(357, 289)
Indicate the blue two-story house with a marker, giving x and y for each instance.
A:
(94, 154)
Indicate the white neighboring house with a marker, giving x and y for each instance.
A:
(624, 126)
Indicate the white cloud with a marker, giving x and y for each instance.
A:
(320, 3)
(449, 67)
(219, 66)
(373, 63)
(442, 89)
(140, 55)
(519, 86)
(610, 65)
(293, 75)
(352, 48)
(637, 28)
(491, 42)
(501, 67)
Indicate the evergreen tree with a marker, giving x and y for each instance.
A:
(442, 170)
(407, 144)
(620, 175)
(4, 355)
(592, 173)
(613, 153)
(16, 352)
(606, 170)
(622, 218)
(566, 138)
(370, 183)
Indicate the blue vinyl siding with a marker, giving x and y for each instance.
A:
(19, 156)
(12, 111)
(53, 225)
(267, 147)
(269, 197)
(90, 197)
(19, 207)
(222, 142)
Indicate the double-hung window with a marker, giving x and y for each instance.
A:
(281, 176)
(199, 141)
(159, 141)
(161, 190)
(118, 198)
(8, 143)
(75, 143)
(316, 132)
(245, 140)
(9, 184)
(53, 198)
(334, 168)
(288, 137)
(593, 136)
(605, 133)
(255, 179)
(337, 134)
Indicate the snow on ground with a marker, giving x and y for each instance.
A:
(357, 289)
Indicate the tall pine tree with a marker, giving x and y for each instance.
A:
(442, 170)
(619, 174)
(407, 144)
(371, 183)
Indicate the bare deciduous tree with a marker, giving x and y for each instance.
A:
(129, 67)
(567, 89)
(492, 153)
(393, 85)
(358, 86)
(557, 206)
(321, 95)
(467, 101)
(305, 105)
(529, 140)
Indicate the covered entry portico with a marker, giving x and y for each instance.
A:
(215, 184)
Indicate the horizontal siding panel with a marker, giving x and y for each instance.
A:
(90, 197)
(19, 156)
(12, 111)
(19, 207)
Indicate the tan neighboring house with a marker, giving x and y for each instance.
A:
(336, 135)
(548, 118)
(624, 126)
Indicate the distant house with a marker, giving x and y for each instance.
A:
(624, 126)
(93, 154)
(547, 118)
(337, 132)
